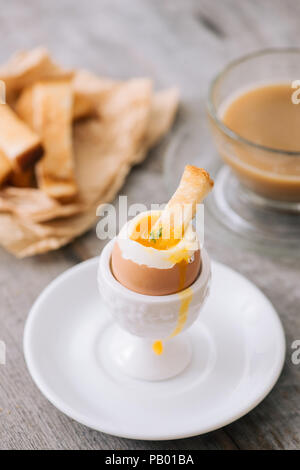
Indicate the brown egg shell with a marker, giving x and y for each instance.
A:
(153, 281)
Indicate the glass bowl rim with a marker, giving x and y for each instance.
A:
(212, 109)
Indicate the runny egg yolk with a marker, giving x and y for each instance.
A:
(183, 311)
(142, 234)
(185, 299)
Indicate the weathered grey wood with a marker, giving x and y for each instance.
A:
(175, 42)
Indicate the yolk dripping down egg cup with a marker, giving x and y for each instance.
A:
(152, 343)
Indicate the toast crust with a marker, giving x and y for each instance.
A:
(29, 157)
(22, 179)
(17, 141)
(6, 168)
(88, 90)
(52, 119)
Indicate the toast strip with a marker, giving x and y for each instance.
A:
(194, 186)
(26, 67)
(5, 168)
(88, 91)
(18, 142)
(22, 179)
(83, 106)
(52, 119)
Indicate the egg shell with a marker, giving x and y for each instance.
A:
(154, 281)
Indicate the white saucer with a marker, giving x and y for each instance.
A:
(238, 353)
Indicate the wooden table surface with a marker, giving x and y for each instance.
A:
(174, 42)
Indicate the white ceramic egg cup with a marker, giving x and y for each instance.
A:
(144, 319)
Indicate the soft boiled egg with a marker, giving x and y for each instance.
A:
(152, 266)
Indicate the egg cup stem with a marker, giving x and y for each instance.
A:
(135, 355)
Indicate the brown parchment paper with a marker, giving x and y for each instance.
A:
(129, 119)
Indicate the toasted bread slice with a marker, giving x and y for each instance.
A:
(22, 179)
(88, 91)
(52, 119)
(24, 106)
(27, 67)
(5, 168)
(18, 142)
(82, 106)
(194, 186)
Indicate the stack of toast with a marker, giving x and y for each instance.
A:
(68, 138)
